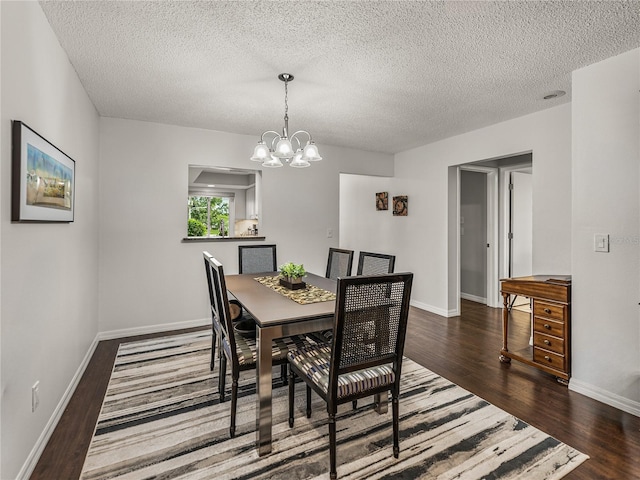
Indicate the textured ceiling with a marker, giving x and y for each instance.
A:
(380, 76)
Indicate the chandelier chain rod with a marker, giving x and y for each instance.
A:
(286, 98)
(286, 107)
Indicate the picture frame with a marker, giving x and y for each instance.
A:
(382, 201)
(400, 206)
(43, 179)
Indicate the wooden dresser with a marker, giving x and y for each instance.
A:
(551, 319)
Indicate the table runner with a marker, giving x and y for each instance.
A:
(309, 294)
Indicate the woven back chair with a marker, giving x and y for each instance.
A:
(257, 258)
(215, 318)
(339, 263)
(234, 308)
(241, 350)
(370, 263)
(365, 356)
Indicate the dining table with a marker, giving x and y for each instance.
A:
(278, 316)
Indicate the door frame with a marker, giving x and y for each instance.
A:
(505, 201)
(497, 191)
(493, 238)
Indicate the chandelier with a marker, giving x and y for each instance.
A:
(273, 147)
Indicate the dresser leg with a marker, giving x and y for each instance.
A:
(505, 321)
(505, 328)
(562, 381)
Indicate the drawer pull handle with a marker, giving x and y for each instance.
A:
(547, 358)
(547, 342)
(547, 326)
(547, 310)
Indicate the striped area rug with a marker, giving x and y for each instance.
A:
(161, 419)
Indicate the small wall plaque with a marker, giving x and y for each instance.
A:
(382, 201)
(400, 205)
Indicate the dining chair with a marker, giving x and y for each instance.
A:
(370, 263)
(339, 263)
(239, 350)
(257, 258)
(235, 309)
(365, 356)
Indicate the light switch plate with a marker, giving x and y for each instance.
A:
(601, 243)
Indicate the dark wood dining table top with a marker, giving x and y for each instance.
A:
(269, 307)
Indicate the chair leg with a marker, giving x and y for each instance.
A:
(214, 339)
(308, 401)
(222, 378)
(292, 392)
(283, 373)
(234, 405)
(354, 404)
(396, 426)
(333, 473)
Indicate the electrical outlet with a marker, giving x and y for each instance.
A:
(35, 396)
(329, 232)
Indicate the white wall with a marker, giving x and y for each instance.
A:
(49, 274)
(149, 277)
(606, 181)
(362, 227)
(421, 239)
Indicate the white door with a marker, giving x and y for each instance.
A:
(522, 235)
(521, 224)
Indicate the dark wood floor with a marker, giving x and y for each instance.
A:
(462, 349)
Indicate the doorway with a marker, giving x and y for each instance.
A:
(499, 252)
(478, 234)
(474, 241)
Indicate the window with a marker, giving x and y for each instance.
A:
(208, 216)
(226, 195)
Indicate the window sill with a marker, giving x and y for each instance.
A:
(222, 239)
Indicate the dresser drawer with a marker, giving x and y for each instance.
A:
(555, 344)
(549, 359)
(548, 310)
(548, 327)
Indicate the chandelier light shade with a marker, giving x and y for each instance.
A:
(297, 150)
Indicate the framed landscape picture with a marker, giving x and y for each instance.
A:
(43, 179)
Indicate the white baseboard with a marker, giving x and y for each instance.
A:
(611, 399)
(473, 298)
(438, 311)
(165, 327)
(32, 460)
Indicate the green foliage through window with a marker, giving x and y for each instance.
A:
(209, 212)
(196, 228)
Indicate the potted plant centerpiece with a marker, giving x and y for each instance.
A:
(291, 276)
